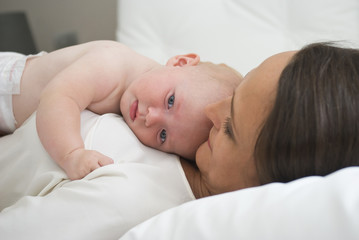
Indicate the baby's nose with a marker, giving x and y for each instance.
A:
(153, 116)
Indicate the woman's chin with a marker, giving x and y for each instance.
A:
(203, 153)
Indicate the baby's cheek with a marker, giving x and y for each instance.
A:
(145, 137)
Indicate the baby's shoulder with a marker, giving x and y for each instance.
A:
(107, 47)
(109, 50)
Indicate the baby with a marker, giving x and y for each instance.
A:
(162, 104)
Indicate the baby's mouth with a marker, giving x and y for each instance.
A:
(133, 110)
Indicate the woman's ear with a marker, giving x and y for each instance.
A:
(191, 59)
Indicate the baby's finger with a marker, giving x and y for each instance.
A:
(105, 161)
(93, 165)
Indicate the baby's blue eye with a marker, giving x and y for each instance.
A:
(171, 101)
(163, 135)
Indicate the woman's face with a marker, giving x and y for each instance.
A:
(226, 160)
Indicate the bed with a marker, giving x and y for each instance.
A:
(37, 201)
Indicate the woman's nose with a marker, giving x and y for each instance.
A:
(153, 116)
(217, 112)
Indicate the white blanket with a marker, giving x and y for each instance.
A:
(103, 205)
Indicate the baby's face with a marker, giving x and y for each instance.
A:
(166, 111)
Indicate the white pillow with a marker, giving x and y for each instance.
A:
(240, 33)
(309, 208)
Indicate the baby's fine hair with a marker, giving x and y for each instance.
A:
(226, 75)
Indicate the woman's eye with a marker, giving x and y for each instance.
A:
(171, 101)
(227, 127)
(163, 136)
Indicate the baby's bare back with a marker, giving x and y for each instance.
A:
(40, 71)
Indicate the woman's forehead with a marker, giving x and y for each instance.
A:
(268, 72)
(258, 90)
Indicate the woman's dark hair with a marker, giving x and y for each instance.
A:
(313, 128)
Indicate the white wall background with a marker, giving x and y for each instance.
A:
(52, 19)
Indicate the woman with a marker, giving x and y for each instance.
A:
(295, 115)
(262, 133)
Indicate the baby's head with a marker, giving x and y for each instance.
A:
(218, 81)
(166, 105)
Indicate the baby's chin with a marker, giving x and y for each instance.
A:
(127, 119)
(124, 111)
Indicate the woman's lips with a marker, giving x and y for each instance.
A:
(133, 110)
(209, 139)
(209, 144)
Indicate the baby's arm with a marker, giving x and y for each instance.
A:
(58, 116)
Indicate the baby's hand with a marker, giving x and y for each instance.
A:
(81, 162)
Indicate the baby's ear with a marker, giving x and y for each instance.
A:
(191, 59)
